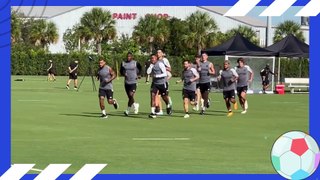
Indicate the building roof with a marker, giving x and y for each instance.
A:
(44, 11)
(244, 19)
(52, 11)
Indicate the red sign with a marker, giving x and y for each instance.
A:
(126, 16)
(133, 16)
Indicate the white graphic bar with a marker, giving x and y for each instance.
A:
(242, 7)
(88, 171)
(278, 7)
(311, 9)
(16, 171)
(52, 172)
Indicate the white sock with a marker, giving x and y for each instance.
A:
(103, 112)
(153, 110)
(128, 109)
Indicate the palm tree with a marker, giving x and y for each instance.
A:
(76, 38)
(202, 28)
(151, 31)
(16, 26)
(42, 33)
(246, 32)
(286, 28)
(99, 26)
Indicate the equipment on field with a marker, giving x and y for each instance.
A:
(91, 74)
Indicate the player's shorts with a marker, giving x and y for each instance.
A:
(204, 87)
(51, 71)
(197, 86)
(265, 82)
(130, 88)
(106, 93)
(161, 88)
(242, 89)
(229, 94)
(73, 76)
(191, 95)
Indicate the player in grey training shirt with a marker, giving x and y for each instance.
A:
(245, 76)
(106, 75)
(189, 78)
(130, 69)
(205, 69)
(157, 70)
(229, 77)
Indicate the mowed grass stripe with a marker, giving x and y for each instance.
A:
(67, 129)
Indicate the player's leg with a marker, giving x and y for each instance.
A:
(53, 76)
(153, 96)
(75, 77)
(186, 107)
(68, 81)
(198, 98)
(111, 100)
(163, 91)
(244, 102)
(101, 96)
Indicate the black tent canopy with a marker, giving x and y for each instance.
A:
(238, 46)
(290, 46)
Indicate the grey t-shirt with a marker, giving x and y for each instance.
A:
(187, 75)
(159, 73)
(227, 76)
(131, 71)
(243, 73)
(104, 76)
(204, 72)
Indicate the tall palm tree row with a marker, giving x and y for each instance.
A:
(286, 28)
(202, 28)
(151, 32)
(42, 33)
(99, 26)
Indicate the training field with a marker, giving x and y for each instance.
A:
(51, 124)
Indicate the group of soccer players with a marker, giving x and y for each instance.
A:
(196, 79)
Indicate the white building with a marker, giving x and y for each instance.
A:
(128, 16)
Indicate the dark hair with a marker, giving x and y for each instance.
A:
(129, 53)
(197, 56)
(240, 60)
(186, 61)
(204, 53)
(153, 54)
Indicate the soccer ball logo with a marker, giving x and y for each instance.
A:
(295, 155)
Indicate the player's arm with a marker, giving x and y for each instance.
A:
(122, 70)
(139, 69)
(113, 75)
(219, 77)
(49, 67)
(196, 75)
(149, 70)
(235, 75)
(167, 64)
(181, 78)
(250, 73)
(163, 70)
(70, 70)
(211, 69)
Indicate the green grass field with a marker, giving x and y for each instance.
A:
(51, 124)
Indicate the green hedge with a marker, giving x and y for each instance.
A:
(32, 62)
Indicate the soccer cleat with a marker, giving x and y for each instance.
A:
(169, 110)
(115, 104)
(186, 116)
(136, 108)
(196, 107)
(75, 88)
(67, 87)
(229, 114)
(126, 112)
(160, 113)
(209, 102)
(152, 116)
(235, 106)
(104, 116)
(243, 112)
(202, 112)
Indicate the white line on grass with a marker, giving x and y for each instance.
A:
(160, 139)
(284, 102)
(31, 100)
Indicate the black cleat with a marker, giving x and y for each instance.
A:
(115, 104)
(202, 112)
(104, 116)
(152, 116)
(209, 102)
(169, 110)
